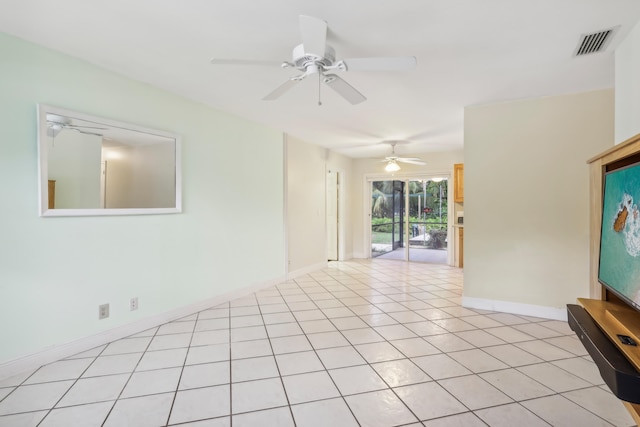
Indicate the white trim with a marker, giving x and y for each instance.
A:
(306, 270)
(406, 176)
(348, 256)
(515, 308)
(285, 200)
(366, 241)
(55, 353)
(43, 204)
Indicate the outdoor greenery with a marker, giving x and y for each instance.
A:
(427, 210)
(430, 199)
(383, 225)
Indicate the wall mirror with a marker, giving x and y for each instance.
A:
(94, 166)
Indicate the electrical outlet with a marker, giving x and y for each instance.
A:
(133, 304)
(103, 311)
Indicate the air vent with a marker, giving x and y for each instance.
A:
(594, 42)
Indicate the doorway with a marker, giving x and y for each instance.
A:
(409, 219)
(332, 210)
(387, 213)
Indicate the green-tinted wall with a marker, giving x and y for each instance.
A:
(54, 272)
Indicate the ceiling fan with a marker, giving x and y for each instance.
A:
(55, 125)
(392, 160)
(315, 57)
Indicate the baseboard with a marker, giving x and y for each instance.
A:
(516, 308)
(346, 257)
(52, 354)
(306, 270)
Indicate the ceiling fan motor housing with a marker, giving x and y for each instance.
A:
(312, 63)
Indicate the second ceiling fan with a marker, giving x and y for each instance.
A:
(393, 159)
(315, 57)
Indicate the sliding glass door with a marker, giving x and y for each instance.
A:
(428, 218)
(387, 215)
(409, 219)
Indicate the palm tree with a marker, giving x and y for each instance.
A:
(380, 198)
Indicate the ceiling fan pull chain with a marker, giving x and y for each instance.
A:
(319, 78)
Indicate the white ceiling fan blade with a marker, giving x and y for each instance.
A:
(314, 35)
(230, 61)
(344, 89)
(381, 64)
(88, 133)
(280, 90)
(83, 127)
(413, 161)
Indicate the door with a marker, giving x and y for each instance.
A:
(387, 216)
(428, 220)
(332, 215)
(397, 237)
(409, 219)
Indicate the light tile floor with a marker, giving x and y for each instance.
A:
(369, 343)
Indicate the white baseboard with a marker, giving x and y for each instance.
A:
(52, 354)
(515, 308)
(346, 257)
(306, 270)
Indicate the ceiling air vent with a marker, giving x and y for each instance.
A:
(594, 42)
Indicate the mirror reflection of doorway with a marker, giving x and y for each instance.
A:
(420, 236)
(332, 206)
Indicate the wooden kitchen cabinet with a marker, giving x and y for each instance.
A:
(51, 191)
(458, 182)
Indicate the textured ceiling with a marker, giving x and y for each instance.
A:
(469, 52)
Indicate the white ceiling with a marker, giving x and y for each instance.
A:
(469, 52)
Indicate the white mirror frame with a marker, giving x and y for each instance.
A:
(43, 174)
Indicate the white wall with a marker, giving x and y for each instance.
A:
(54, 272)
(152, 182)
(305, 204)
(627, 104)
(307, 166)
(437, 164)
(527, 199)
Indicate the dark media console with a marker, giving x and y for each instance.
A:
(617, 372)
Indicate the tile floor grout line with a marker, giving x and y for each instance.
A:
(433, 379)
(79, 377)
(184, 363)
(411, 361)
(315, 351)
(367, 363)
(376, 285)
(130, 375)
(230, 368)
(275, 361)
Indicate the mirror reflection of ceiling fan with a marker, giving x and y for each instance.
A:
(55, 125)
(315, 57)
(393, 160)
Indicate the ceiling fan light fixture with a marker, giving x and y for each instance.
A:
(392, 166)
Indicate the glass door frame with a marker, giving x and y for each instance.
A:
(406, 177)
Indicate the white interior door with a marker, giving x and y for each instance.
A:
(332, 215)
